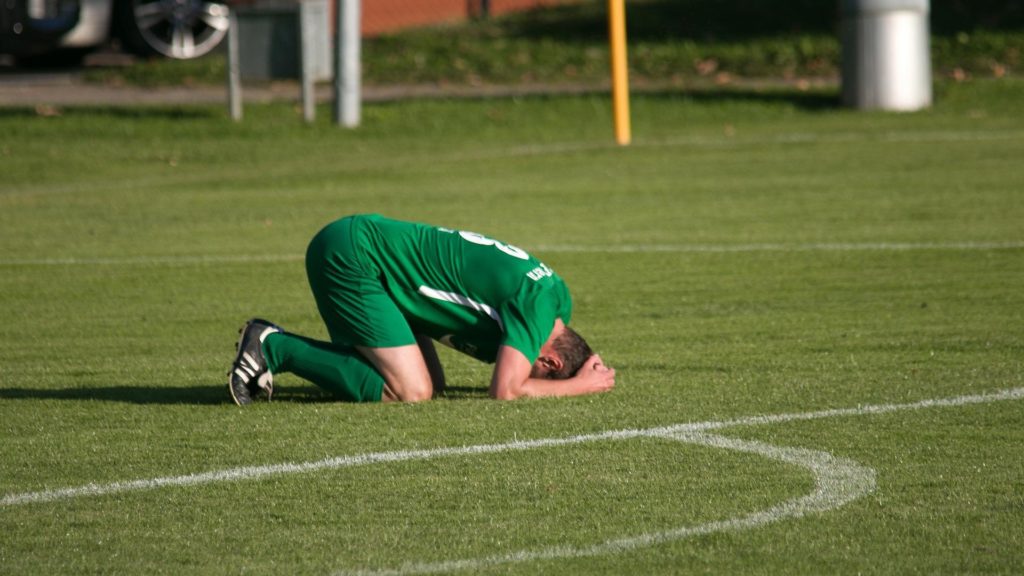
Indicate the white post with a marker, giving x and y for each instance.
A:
(347, 72)
(234, 74)
(307, 48)
(886, 54)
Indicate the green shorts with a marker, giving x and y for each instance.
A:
(349, 289)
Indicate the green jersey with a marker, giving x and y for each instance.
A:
(462, 289)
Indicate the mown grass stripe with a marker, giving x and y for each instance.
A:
(547, 149)
(184, 260)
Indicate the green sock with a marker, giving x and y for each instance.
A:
(341, 370)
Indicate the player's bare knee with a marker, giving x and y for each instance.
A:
(409, 391)
(417, 392)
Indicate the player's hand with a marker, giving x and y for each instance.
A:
(594, 376)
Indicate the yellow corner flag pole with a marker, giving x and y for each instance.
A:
(620, 75)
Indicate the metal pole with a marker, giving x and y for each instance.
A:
(234, 75)
(347, 72)
(307, 57)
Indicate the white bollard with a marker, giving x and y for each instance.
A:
(348, 102)
(886, 54)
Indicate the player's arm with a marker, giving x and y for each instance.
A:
(511, 378)
(433, 363)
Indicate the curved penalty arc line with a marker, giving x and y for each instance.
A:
(262, 471)
(837, 481)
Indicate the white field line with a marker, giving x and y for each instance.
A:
(180, 260)
(868, 410)
(186, 260)
(255, 472)
(789, 138)
(778, 247)
(838, 481)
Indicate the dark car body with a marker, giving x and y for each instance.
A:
(28, 29)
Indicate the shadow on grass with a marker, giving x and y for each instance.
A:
(763, 92)
(195, 395)
(128, 112)
(812, 100)
(464, 393)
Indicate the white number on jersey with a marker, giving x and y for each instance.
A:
(485, 241)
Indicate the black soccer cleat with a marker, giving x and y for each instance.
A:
(249, 374)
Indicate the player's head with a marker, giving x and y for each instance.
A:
(571, 350)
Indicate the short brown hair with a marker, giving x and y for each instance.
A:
(573, 350)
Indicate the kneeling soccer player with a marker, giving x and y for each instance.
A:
(387, 289)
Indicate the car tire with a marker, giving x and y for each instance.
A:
(181, 29)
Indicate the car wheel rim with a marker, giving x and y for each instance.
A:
(181, 28)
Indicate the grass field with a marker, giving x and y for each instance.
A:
(752, 254)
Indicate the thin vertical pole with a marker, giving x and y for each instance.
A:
(234, 74)
(347, 71)
(307, 44)
(620, 74)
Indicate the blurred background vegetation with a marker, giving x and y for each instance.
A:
(670, 42)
